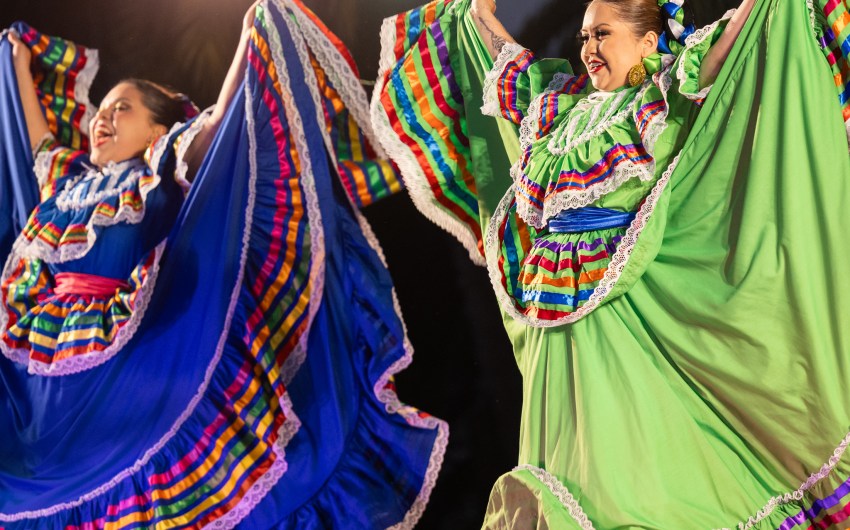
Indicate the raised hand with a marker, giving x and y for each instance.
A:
(21, 54)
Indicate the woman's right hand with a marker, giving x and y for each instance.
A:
(21, 54)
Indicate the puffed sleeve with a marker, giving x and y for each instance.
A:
(517, 77)
(688, 64)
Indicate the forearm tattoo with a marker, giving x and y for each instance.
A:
(495, 40)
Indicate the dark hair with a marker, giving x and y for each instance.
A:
(167, 106)
(642, 15)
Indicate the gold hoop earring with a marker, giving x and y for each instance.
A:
(637, 74)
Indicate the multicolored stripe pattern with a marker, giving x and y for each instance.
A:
(54, 327)
(60, 68)
(549, 276)
(619, 154)
(53, 228)
(54, 161)
(365, 177)
(226, 450)
(209, 467)
(831, 511)
(509, 87)
(834, 38)
(420, 101)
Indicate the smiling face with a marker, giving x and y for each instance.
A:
(123, 126)
(610, 47)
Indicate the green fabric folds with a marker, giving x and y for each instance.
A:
(709, 394)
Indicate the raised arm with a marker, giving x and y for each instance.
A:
(491, 30)
(36, 123)
(718, 53)
(200, 145)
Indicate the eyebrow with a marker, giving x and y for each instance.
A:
(594, 27)
(119, 100)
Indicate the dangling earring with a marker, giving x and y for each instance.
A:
(637, 74)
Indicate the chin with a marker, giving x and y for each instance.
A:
(96, 159)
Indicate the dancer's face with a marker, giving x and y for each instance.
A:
(610, 47)
(123, 126)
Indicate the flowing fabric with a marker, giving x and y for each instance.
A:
(257, 389)
(706, 391)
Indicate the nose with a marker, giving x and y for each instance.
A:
(589, 48)
(105, 113)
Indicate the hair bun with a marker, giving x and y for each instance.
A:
(190, 110)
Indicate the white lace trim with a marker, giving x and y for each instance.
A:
(347, 85)
(190, 409)
(70, 198)
(38, 249)
(412, 173)
(564, 139)
(80, 363)
(39, 146)
(269, 479)
(81, 90)
(491, 106)
(695, 39)
(810, 5)
(572, 505)
(42, 162)
(188, 137)
(618, 261)
(561, 492)
(798, 494)
(386, 396)
(314, 214)
(291, 425)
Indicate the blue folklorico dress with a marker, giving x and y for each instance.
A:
(213, 354)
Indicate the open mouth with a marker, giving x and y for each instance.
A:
(595, 66)
(101, 136)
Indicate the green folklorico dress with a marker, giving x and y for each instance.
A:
(685, 369)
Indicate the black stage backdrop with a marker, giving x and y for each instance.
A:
(463, 370)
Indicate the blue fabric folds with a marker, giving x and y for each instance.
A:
(218, 411)
(588, 218)
(18, 188)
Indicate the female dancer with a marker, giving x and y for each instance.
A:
(667, 252)
(219, 359)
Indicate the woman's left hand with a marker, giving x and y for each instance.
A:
(248, 20)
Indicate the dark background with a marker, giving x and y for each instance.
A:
(464, 370)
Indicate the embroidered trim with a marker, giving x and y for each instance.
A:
(38, 249)
(234, 298)
(347, 85)
(508, 52)
(47, 137)
(810, 5)
(693, 40)
(564, 135)
(111, 172)
(80, 363)
(798, 494)
(563, 139)
(314, 214)
(391, 401)
(42, 162)
(618, 261)
(81, 90)
(259, 490)
(267, 481)
(411, 172)
(185, 141)
(561, 492)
